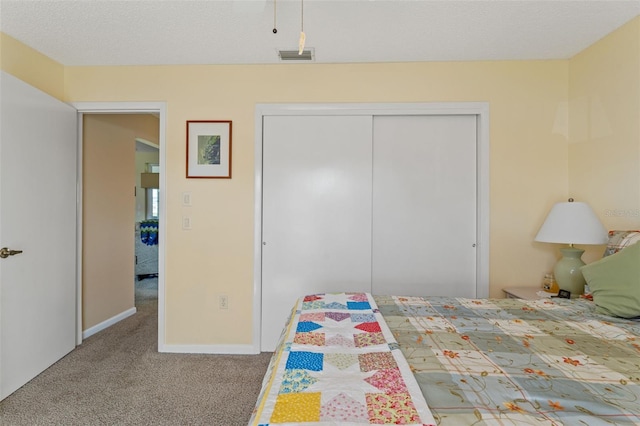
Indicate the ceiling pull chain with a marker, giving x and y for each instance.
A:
(275, 30)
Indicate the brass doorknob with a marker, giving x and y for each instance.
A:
(5, 252)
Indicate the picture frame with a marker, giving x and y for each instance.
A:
(209, 149)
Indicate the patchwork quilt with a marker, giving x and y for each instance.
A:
(519, 362)
(338, 363)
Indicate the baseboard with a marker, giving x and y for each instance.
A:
(108, 323)
(210, 349)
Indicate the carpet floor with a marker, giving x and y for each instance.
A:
(117, 377)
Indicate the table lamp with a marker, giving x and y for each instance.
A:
(571, 223)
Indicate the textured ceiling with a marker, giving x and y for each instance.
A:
(139, 32)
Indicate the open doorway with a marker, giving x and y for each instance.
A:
(147, 212)
(119, 149)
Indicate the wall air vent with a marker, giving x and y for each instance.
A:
(292, 55)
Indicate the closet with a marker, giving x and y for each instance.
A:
(382, 203)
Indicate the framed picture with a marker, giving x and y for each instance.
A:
(209, 149)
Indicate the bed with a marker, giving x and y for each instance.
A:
(474, 361)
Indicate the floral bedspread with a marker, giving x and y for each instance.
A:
(518, 362)
(338, 363)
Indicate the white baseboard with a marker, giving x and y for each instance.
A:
(211, 349)
(108, 323)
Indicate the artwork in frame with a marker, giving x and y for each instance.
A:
(209, 149)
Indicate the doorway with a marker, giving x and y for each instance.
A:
(147, 210)
(129, 110)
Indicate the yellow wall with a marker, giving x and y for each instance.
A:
(528, 164)
(533, 163)
(109, 212)
(31, 66)
(604, 153)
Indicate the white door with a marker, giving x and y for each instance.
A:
(37, 216)
(424, 205)
(316, 212)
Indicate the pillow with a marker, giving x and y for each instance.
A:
(619, 240)
(614, 282)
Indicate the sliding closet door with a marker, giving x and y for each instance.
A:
(424, 205)
(316, 228)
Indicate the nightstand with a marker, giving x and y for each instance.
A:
(528, 293)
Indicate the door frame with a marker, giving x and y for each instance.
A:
(478, 109)
(159, 108)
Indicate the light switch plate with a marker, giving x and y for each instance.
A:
(186, 199)
(186, 222)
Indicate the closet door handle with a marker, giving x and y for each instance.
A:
(5, 252)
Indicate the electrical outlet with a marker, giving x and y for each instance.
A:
(224, 302)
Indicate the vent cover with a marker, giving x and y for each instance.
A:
(292, 55)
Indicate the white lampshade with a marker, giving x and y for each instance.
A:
(572, 223)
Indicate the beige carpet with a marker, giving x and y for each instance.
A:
(117, 377)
